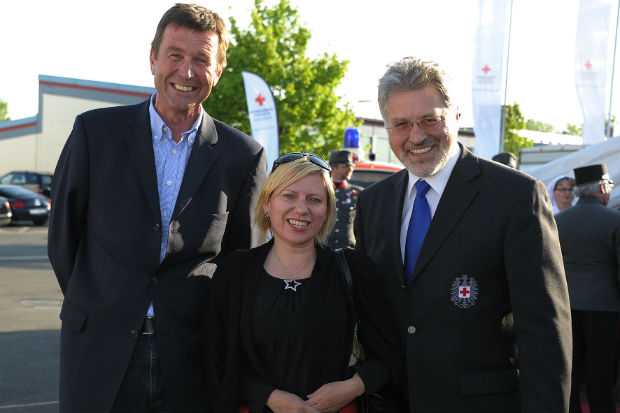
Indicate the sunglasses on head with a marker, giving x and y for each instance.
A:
(293, 156)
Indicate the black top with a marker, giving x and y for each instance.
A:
(298, 330)
(263, 337)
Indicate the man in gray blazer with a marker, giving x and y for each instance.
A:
(471, 261)
(145, 201)
(589, 235)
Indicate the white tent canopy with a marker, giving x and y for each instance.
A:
(607, 152)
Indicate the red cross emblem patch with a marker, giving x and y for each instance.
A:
(464, 291)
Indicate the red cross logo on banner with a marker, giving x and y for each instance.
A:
(588, 65)
(486, 69)
(260, 99)
(464, 291)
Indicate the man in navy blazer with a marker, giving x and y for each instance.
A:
(483, 315)
(145, 201)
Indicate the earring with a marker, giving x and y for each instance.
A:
(266, 213)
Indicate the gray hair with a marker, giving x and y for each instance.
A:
(412, 74)
(592, 188)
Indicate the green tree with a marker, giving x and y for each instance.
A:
(573, 130)
(274, 47)
(610, 123)
(4, 110)
(537, 125)
(513, 123)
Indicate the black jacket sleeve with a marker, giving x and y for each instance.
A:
(376, 331)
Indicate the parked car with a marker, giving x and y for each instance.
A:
(5, 212)
(26, 204)
(38, 182)
(368, 172)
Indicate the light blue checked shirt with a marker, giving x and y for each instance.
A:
(170, 162)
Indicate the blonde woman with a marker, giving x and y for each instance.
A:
(282, 317)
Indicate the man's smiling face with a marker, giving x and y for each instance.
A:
(184, 70)
(424, 150)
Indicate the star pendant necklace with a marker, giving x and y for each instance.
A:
(291, 283)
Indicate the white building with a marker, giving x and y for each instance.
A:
(35, 143)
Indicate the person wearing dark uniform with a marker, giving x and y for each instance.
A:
(346, 198)
(590, 248)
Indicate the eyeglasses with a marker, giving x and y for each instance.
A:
(293, 156)
(404, 128)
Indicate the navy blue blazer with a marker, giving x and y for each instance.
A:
(485, 324)
(104, 246)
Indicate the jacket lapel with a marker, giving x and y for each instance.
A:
(454, 201)
(396, 190)
(139, 137)
(200, 161)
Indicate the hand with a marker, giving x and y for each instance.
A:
(332, 397)
(281, 401)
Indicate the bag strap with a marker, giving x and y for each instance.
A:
(343, 266)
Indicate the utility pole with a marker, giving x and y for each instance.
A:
(503, 119)
(613, 67)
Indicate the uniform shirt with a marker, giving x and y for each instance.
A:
(342, 235)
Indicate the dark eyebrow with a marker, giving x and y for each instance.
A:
(395, 120)
(173, 48)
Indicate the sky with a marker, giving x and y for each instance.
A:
(109, 42)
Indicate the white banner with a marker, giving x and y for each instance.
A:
(591, 51)
(487, 75)
(263, 114)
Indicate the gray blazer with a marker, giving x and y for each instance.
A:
(489, 280)
(104, 246)
(591, 248)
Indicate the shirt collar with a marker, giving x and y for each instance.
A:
(158, 124)
(438, 181)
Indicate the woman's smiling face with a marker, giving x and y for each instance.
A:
(298, 212)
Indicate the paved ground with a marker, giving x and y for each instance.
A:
(29, 325)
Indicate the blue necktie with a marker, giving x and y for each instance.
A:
(418, 225)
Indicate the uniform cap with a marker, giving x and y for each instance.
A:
(591, 173)
(338, 157)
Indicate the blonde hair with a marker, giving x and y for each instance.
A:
(286, 174)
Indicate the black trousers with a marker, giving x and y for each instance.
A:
(595, 357)
(142, 388)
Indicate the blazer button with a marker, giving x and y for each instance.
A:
(157, 227)
(135, 333)
(411, 329)
(155, 280)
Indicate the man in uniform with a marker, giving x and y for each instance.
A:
(346, 197)
(590, 248)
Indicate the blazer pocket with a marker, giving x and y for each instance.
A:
(478, 383)
(72, 316)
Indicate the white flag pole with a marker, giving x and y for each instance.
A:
(503, 127)
(613, 70)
